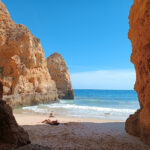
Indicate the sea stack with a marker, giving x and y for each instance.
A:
(59, 72)
(23, 67)
(139, 34)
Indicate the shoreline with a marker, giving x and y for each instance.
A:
(75, 109)
(39, 117)
(42, 115)
(78, 133)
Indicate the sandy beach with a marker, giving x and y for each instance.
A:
(79, 133)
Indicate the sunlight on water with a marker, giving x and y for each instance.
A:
(101, 104)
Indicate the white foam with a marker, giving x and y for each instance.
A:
(35, 109)
(77, 108)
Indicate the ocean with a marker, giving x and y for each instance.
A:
(97, 104)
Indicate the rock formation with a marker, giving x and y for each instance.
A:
(11, 135)
(139, 34)
(23, 67)
(59, 73)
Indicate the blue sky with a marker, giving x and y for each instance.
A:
(92, 36)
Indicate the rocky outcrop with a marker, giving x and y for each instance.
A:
(139, 34)
(11, 135)
(23, 67)
(132, 124)
(59, 73)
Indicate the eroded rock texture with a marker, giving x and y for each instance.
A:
(33, 147)
(139, 34)
(59, 73)
(11, 135)
(23, 67)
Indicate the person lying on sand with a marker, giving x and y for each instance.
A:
(48, 121)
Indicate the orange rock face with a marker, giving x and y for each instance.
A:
(139, 34)
(59, 73)
(23, 67)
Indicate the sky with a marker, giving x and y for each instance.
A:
(91, 35)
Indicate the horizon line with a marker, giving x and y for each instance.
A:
(108, 89)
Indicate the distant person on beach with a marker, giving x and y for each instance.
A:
(51, 114)
(48, 121)
(51, 122)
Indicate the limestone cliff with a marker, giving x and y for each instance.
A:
(23, 67)
(139, 34)
(59, 73)
(11, 135)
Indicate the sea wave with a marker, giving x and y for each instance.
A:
(46, 107)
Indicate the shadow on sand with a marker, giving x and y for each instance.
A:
(84, 136)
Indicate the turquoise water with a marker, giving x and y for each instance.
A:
(99, 104)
